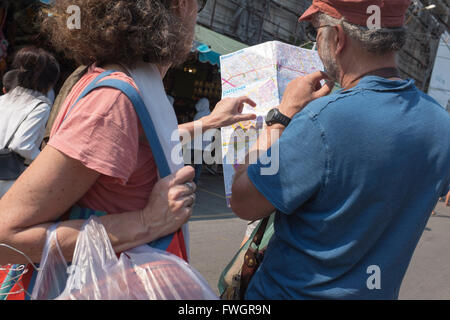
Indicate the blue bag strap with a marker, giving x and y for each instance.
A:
(147, 124)
(89, 89)
(152, 137)
(144, 117)
(141, 111)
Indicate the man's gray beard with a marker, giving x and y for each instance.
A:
(329, 62)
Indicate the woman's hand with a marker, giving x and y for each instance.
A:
(229, 111)
(170, 204)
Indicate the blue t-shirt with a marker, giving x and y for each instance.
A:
(359, 174)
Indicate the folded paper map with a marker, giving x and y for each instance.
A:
(261, 72)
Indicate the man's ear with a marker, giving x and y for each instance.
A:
(341, 39)
(4, 90)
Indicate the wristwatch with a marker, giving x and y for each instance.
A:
(275, 116)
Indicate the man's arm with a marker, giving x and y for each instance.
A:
(246, 201)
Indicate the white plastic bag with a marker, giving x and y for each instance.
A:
(143, 273)
(52, 276)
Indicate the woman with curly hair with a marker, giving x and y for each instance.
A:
(98, 156)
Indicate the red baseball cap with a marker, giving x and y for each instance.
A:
(355, 11)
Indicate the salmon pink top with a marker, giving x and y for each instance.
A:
(103, 132)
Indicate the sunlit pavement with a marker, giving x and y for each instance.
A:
(428, 275)
(216, 234)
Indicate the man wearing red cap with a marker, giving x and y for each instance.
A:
(360, 170)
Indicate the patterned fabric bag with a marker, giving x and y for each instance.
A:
(236, 276)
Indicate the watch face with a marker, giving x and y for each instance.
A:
(270, 117)
(275, 116)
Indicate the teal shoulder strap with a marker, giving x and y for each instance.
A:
(149, 128)
(141, 111)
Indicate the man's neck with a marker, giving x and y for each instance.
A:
(356, 71)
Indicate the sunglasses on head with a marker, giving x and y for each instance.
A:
(201, 4)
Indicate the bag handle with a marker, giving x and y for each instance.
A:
(261, 230)
(21, 122)
(252, 258)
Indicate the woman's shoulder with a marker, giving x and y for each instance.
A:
(95, 71)
(104, 101)
(101, 130)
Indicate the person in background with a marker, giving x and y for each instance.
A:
(9, 80)
(25, 109)
(51, 96)
(445, 199)
(198, 145)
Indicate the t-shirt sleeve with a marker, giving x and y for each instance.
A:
(297, 167)
(102, 132)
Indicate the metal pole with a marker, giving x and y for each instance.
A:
(213, 13)
(434, 44)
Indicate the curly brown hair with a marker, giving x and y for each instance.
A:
(122, 31)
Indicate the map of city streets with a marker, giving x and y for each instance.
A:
(261, 72)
